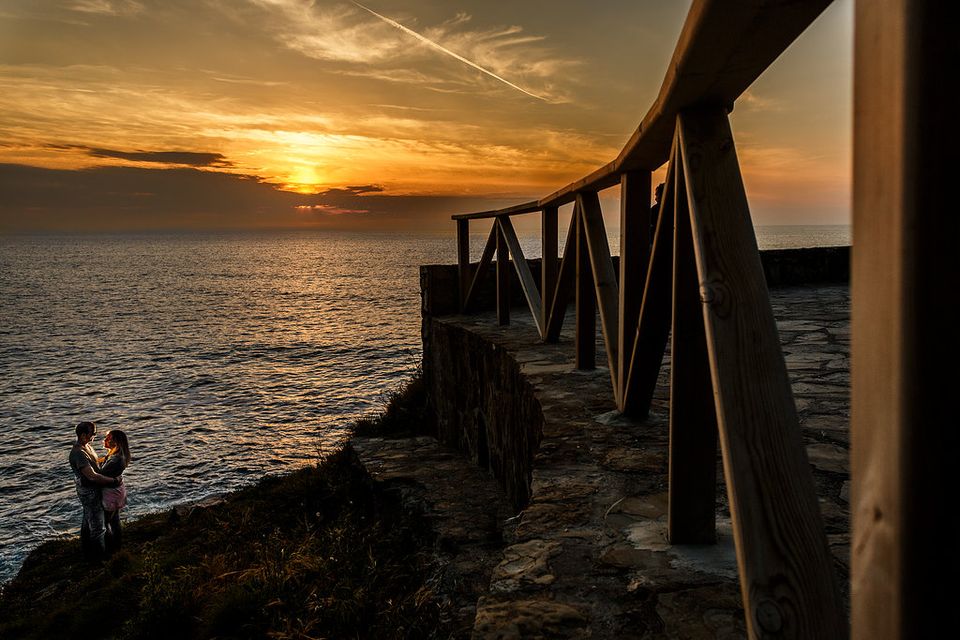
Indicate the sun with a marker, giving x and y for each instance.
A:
(304, 179)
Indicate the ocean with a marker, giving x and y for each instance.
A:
(224, 356)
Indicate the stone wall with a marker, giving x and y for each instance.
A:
(483, 405)
(782, 267)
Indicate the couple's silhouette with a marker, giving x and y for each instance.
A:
(100, 488)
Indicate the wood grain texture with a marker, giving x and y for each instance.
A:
(786, 573)
(604, 281)
(560, 298)
(905, 345)
(527, 282)
(653, 326)
(586, 309)
(634, 258)
(503, 276)
(550, 264)
(485, 258)
(691, 506)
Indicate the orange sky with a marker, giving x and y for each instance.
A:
(135, 114)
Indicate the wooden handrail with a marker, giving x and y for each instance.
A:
(724, 46)
(517, 209)
(702, 289)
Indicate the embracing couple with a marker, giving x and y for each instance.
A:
(100, 487)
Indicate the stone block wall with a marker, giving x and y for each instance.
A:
(782, 267)
(483, 405)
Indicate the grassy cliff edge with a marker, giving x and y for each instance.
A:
(317, 553)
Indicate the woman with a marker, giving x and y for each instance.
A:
(112, 465)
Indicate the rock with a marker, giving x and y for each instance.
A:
(705, 612)
(529, 620)
(526, 563)
(829, 457)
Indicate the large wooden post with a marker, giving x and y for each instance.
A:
(503, 276)
(653, 326)
(906, 347)
(634, 256)
(586, 302)
(691, 507)
(786, 573)
(604, 280)
(549, 265)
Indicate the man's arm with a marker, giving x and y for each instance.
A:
(99, 478)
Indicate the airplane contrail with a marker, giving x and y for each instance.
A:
(442, 49)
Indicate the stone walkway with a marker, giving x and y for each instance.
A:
(588, 557)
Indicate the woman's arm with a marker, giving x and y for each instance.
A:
(114, 466)
(99, 478)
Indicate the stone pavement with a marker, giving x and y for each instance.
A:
(588, 556)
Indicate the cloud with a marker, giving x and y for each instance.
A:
(456, 56)
(328, 209)
(107, 7)
(115, 198)
(752, 101)
(330, 33)
(382, 48)
(354, 190)
(190, 158)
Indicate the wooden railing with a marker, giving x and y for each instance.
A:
(696, 280)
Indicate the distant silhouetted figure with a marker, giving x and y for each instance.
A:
(655, 211)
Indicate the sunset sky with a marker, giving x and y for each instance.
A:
(141, 114)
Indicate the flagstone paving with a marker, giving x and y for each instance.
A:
(588, 556)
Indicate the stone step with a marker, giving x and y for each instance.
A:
(465, 507)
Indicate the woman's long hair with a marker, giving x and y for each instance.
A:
(120, 442)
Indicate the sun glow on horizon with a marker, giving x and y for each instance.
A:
(327, 104)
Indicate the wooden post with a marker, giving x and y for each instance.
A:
(463, 260)
(550, 265)
(786, 573)
(653, 327)
(604, 280)
(560, 297)
(691, 506)
(906, 346)
(634, 256)
(527, 282)
(586, 312)
(481, 269)
(503, 276)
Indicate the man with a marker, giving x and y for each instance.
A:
(655, 211)
(86, 471)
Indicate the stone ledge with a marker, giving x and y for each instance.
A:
(588, 555)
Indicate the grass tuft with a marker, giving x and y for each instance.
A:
(404, 412)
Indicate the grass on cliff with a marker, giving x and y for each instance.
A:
(319, 553)
(404, 412)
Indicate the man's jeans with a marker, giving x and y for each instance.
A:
(92, 531)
